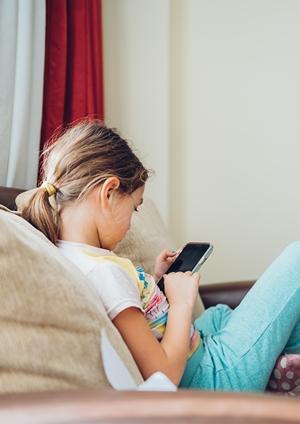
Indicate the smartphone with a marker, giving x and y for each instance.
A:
(192, 256)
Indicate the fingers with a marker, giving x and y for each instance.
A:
(166, 254)
(196, 274)
(182, 287)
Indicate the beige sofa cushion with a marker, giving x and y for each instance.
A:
(50, 317)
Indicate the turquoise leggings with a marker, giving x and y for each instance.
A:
(239, 347)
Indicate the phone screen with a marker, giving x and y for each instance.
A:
(188, 259)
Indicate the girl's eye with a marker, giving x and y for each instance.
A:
(136, 209)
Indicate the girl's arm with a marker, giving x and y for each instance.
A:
(170, 355)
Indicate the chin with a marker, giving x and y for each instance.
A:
(115, 245)
(111, 246)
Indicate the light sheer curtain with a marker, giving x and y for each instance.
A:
(22, 47)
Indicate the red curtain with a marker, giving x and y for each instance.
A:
(73, 76)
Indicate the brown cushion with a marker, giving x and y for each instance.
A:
(50, 317)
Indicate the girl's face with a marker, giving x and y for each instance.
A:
(119, 221)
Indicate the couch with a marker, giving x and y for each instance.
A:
(51, 367)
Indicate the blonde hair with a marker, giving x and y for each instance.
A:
(81, 157)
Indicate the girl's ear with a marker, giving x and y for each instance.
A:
(107, 189)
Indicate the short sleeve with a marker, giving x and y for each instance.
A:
(115, 287)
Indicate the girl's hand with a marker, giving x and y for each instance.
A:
(182, 287)
(163, 261)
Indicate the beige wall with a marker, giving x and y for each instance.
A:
(136, 76)
(209, 91)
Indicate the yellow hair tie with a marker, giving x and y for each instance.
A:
(50, 188)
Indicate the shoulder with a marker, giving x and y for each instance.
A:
(112, 273)
(115, 287)
(74, 252)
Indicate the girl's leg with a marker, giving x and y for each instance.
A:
(242, 354)
(213, 319)
(210, 322)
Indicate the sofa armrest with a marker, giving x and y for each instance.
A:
(112, 406)
(8, 195)
(230, 294)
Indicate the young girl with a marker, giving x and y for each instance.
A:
(93, 182)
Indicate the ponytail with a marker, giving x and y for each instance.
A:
(39, 212)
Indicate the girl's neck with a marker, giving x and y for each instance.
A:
(77, 226)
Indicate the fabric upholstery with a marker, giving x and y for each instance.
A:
(285, 377)
(50, 317)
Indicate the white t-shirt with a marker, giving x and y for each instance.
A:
(120, 286)
(115, 287)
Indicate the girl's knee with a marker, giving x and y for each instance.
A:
(295, 245)
(293, 250)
